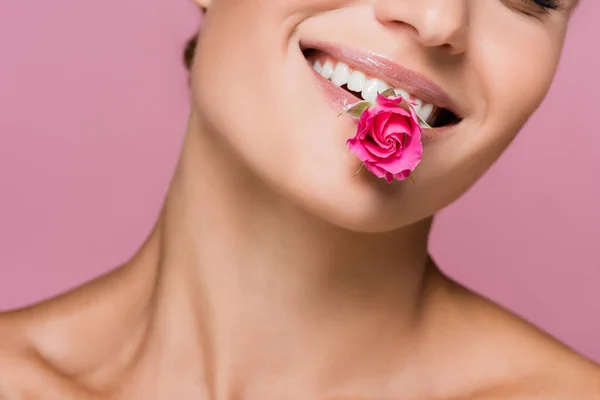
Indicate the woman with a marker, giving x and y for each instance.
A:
(277, 272)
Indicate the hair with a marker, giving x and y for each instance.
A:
(190, 51)
(190, 48)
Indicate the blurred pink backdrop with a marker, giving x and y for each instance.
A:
(93, 105)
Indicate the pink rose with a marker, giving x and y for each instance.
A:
(388, 139)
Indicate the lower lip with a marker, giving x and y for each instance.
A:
(340, 99)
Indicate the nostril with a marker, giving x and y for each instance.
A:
(402, 27)
(447, 48)
(442, 25)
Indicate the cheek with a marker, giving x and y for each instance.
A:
(253, 89)
(515, 60)
(236, 71)
(510, 71)
(518, 80)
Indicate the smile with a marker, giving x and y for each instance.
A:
(363, 76)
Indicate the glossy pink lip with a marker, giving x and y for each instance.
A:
(380, 67)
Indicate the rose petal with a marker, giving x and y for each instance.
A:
(365, 123)
(415, 119)
(389, 178)
(397, 129)
(380, 152)
(376, 170)
(380, 123)
(357, 148)
(396, 105)
(402, 175)
(393, 110)
(362, 130)
(409, 159)
(413, 150)
(388, 138)
(393, 101)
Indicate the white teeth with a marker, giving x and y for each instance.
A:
(340, 74)
(356, 82)
(401, 92)
(327, 71)
(417, 105)
(318, 67)
(426, 111)
(372, 88)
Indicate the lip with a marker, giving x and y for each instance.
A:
(392, 73)
(340, 99)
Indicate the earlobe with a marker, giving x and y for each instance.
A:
(203, 3)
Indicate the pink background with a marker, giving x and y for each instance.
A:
(93, 104)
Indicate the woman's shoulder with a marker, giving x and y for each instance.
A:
(565, 377)
(521, 357)
(50, 341)
(562, 374)
(25, 375)
(20, 367)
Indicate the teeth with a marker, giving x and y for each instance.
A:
(417, 105)
(372, 88)
(340, 74)
(426, 111)
(318, 67)
(356, 82)
(327, 71)
(401, 92)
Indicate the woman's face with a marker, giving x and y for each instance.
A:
(484, 64)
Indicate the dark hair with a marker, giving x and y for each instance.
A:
(190, 48)
(190, 51)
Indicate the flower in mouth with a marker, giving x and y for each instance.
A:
(388, 136)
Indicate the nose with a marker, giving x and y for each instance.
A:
(435, 23)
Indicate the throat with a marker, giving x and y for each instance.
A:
(245, 324)
(255, 286)
(251, 305)
(232, 245)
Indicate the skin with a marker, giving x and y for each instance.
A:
(272, 272)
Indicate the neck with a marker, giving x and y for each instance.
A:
(246, 270)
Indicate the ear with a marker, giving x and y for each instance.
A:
(204, 4)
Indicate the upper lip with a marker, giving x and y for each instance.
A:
(377, 66)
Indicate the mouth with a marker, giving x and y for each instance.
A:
(362, 76)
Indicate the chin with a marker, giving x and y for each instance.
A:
(362, 203)
(366, 220)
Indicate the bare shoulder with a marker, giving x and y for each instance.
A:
(561, 374)
(44, 346)
(523, 361)
(24, 371)
(566, 377)
(13, 350)
(23, 374)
